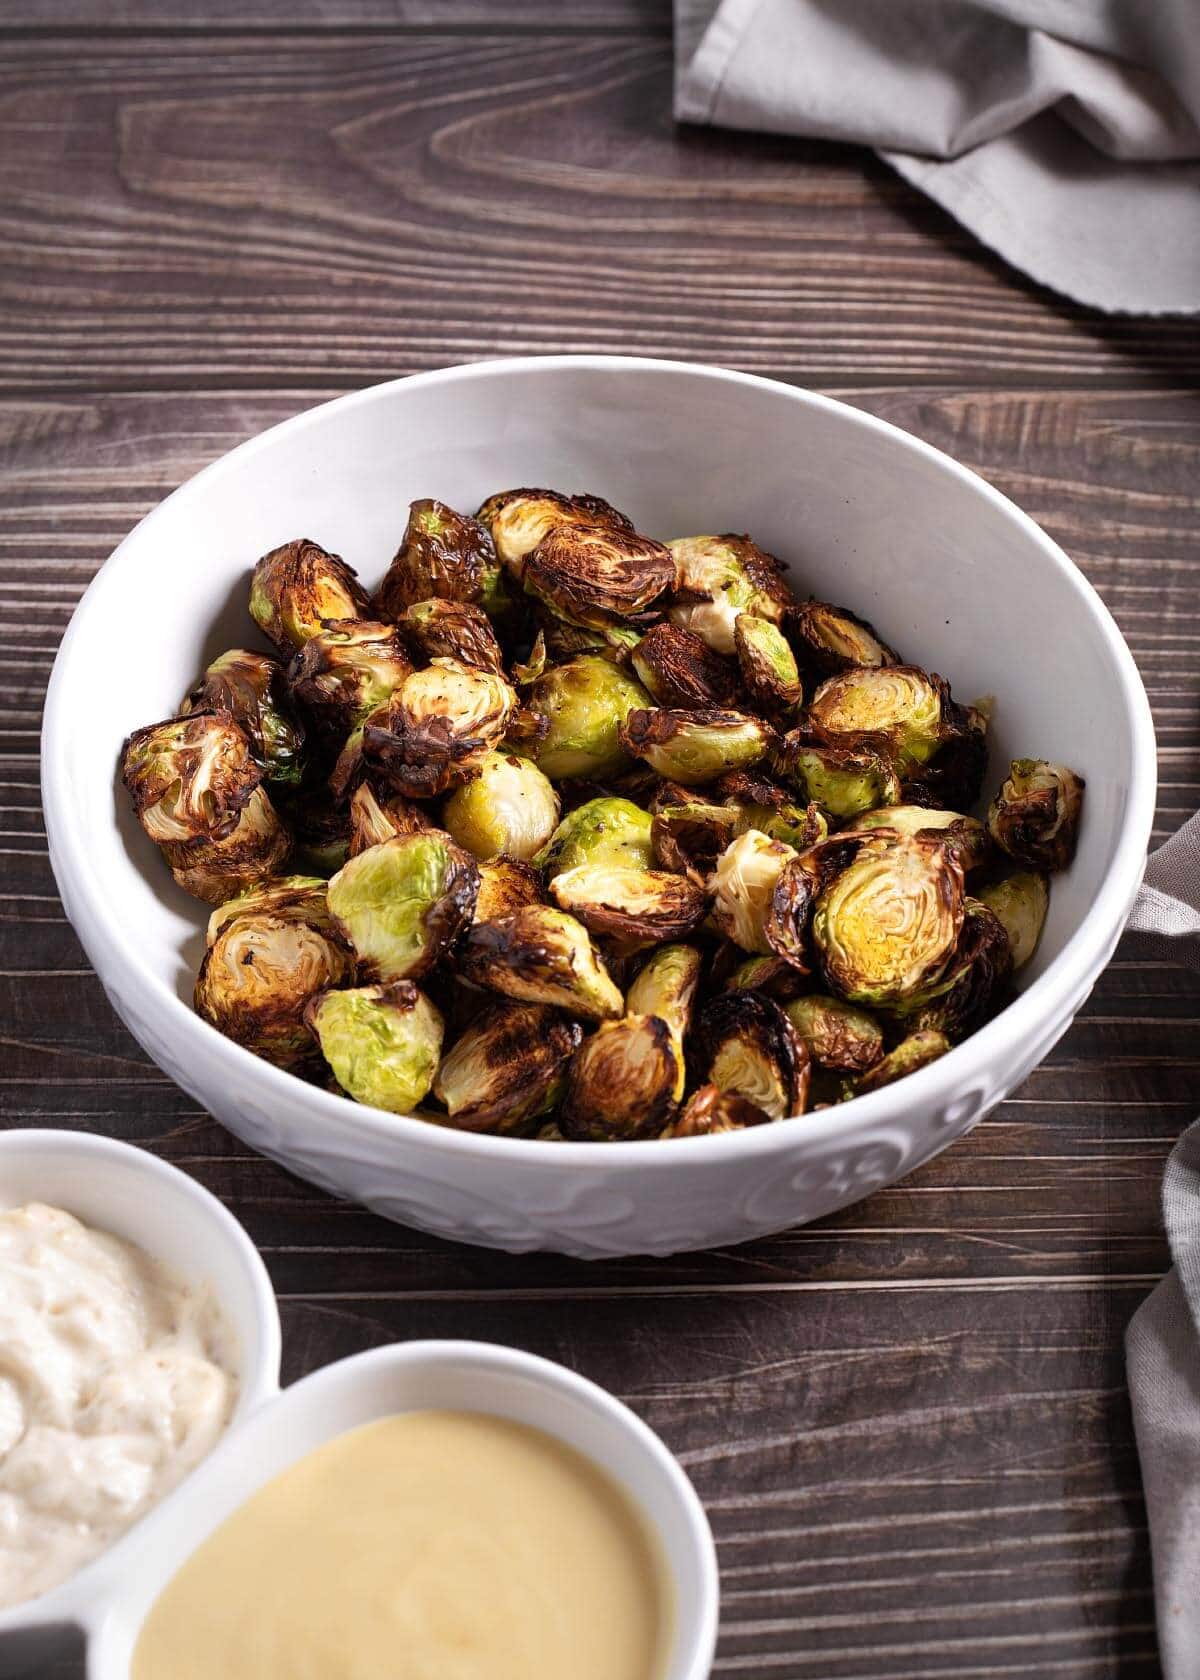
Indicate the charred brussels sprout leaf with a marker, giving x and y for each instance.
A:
(844, 781)
(296, 897)
(260, 971)
(525, 672)
(745, 1045)
(719, 577)
(586, 701)
(695, 747)
(711, 1110)
(831, 639)
(438, 728)
(678, 669)
(519, 519)
(743, 886)
(401, 903)
(256, 848)
(973, 986)
(592, 574)
(666, 986)
(912, 1053)
(786, 922)
(251, 689)
(625, 1081)
(452, 630)
(382, 1042)
(638, 906)
(504, 886)
(613, 641)
(1019, 902)
(603, 830)
(888, 924)
(507, 1067)
(689, 837)
(1035, 816)
(296, 588)
(839, 1036)
(510, 807)
(965, 836)
(767, 664)
(373, 820)
(443, 554)
(346, 670)
(541, 955)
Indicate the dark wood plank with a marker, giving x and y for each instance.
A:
(479, 17)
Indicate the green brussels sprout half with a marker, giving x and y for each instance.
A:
(296, 897)
(518, 520)
(603, 830)
(613, 640)
(831, 639)
(839, 1036)
(443, 554)
(666, 986)
(401, 903)
(297, 588)
(593, 574)
(1035, 816)
(678, 669)
(887, 925)
(251, 689)
(1019, 901)
(625, 1081)
(711, 1110)
(541, 955)
(504, 886)
(438, 728)
(844, 781)
(911, 1054)
(897, 707)
(321, 827)
(261, 970)
(973, 985)
(586, 700)
(383, 1042)
(452, 630)
(254, 850)
(510, 807)
(345, 671)
(768, 665)
(965, 836)
(507, 1068)
(637, 906)
(745, 1045)
(778, 979)
(373, 820)
(695, 747)
(743, 887)
(719, 577)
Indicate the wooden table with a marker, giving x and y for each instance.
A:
(909, 1422)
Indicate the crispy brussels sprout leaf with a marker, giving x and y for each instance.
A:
(719, 577)
(591, 574)
(1019, 902)
(689, 837)
(745, 1045)
(844, 781)
(373, 820)
(666, 986)
(382, 1042)
(586, 701)
(401, 903)
(975, 981)
(293, 897)
(438, 728)
(762, 804)
(831, 639)
(637, 906)
(541, 955)
(504, 886)
(743, 887)
(839, 1036)
(678, 669)
(346, 670)
(510, 807)
(452, 630)
(965, 836)
(695, 747)
(251, 689)
(519, 519)
(259, 973)
(787, 917)
(1035, 816)
(443, 554)
(507, 1068)
(600, 831)
(896, 709)
(768, 666)
(625, 1081)
(614, 640)
(525, 672)
(296, 588)
(912, 1053)
(711, 1110)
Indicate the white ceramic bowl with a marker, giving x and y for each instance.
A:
(951, 573)
(123, 1190)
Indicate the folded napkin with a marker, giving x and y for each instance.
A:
(1065, 134)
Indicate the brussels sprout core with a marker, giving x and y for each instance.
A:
(296, 588)
(382, 1042)
(586, 701)
(510, 807)
(401, 903)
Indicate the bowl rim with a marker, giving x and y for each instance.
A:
(1070, 973)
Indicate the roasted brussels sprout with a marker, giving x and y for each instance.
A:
(778, 979)
(507, 1068)
(593, 574)
(888, 924)
(401, 903)
(638, 906)
(953, 777)
(1019, 902)
(916, 1051)
(541, 955)
(695, 747)
(745, 1045)
(768, 665)
(1035, 816)
(614, 641)
(345, 671)
(844, 781)
(666, 986)
(321, 827)
(831, 639)
(452, 630)
(787, 918)
(743, 887)
(689, 837)
(761, 803)
(261, 970)
(966, 836)
(382, 1042)
(601, 831)
(719, 577)
(839, 1036)
(297, 897)
(443, 554)
(519, 519)
(373, 820)
(504, 886)
(296, 588)
(254, 850)
(251, 689)
(710, 1110)
(625, 1081)
(586, 700)
(678, 669)
(438, 728)
(973, 985)
(896, 709)
(510, 807)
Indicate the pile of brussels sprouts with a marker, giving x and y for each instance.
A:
(591, 836)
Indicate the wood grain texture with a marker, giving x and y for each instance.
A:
(907, 1422)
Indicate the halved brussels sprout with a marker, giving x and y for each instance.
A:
(625, 1081)
(719, 577)
(345, 671)
(743, 886)
(916, 1051)
(401, 903)
(778, 979)
(504, 886)
(442, 554)
(839, 1036)
(695, 747)
(1035, 816)
(966, 836)
(251, 689)
(1019, 901)
(689, 837)
(296, 897)
(382, 1042)
(768, 665)
(321, 827)
(831, 639)
(711, 1110)
(613, 641)
(639, 906)
(519, 519)
(214, 869)
(678, 669)
(888, 924)
(510, 807)
(586, 700)
(438, 727)
(897, 706)
(592, 574)
(973, 985)
(260, 971)
(296, 588)
(745, 1045)
(452, 630)
(601, 831)
(666, 986)
(190, 777)
(507, 1067)
(541, 955)
(373, 820)
(844, 781)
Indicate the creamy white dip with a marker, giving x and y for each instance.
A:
(114, 1383)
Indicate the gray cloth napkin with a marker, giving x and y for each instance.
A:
(1065, 134)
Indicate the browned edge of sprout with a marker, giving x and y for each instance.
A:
(745, 1044)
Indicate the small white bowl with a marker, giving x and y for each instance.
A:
(952, 574)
